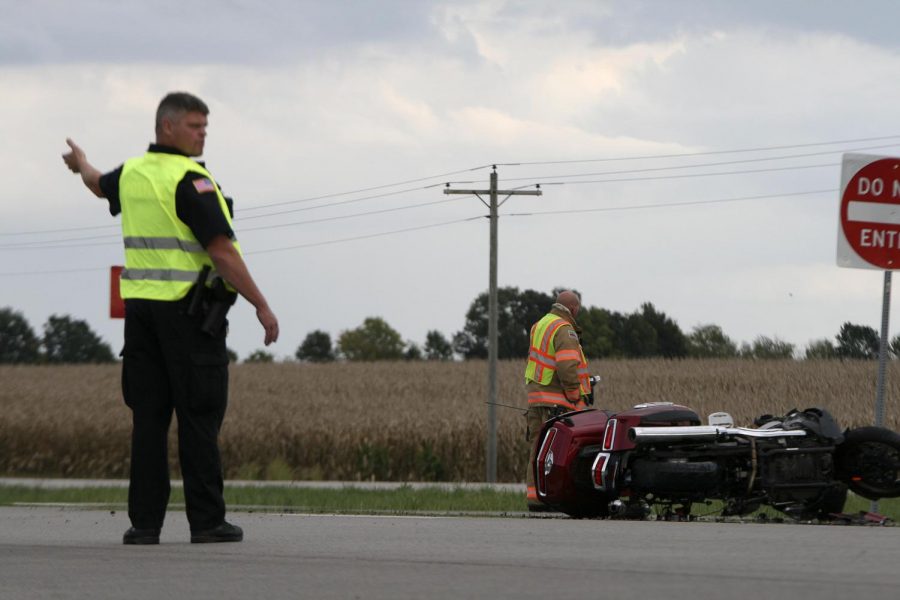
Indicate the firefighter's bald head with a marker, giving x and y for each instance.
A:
(570, 300)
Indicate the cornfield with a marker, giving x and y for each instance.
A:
(402, 421)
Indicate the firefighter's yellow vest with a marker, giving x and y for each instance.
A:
(541, 363)
(542, 353)
(162, 256)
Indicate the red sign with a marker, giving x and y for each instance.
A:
(870, 213)
(116, 304)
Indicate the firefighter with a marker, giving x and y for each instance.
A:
(556, 375)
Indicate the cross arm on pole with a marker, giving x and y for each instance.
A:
(507, 192)
(477, 193)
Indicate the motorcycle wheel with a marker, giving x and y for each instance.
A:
(869, 462)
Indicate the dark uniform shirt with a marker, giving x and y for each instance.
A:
(199, 211)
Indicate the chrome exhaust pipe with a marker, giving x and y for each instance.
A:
(616, 508)
(640, 435)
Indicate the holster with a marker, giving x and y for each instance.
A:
(210, 303)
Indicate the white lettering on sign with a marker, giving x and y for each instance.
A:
(867, 186)
(896, 192)
(875, 238)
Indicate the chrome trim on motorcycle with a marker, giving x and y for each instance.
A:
(704, 432)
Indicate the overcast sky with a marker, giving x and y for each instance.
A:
(689, 153)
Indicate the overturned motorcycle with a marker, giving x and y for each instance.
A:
(596, 463)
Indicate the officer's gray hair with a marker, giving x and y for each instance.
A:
(175, 104)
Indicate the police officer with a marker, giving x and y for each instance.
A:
(176, 224)
(556, 375)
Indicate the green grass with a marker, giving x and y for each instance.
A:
(345, 500)
(352, 500)
(356, 500)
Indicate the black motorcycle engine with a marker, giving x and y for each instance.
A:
(797, 473)
(673, 477)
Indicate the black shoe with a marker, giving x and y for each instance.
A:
(226, 532)
(141, 536)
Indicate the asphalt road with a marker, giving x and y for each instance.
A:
(51, 552)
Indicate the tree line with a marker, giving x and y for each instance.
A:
(644, 333)
(64, 340)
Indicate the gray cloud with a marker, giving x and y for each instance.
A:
(313, 98)
(202, 32)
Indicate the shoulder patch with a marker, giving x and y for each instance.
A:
(572, 334)
(203, 185)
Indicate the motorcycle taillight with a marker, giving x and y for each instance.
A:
(598, 470)
(610, 436)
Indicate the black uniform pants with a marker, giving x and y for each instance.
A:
(170, 365)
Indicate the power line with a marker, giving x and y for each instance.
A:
(368, 236)
(36, 245)
(688, 175)
(44, 244)
(54, 272)
(60, 230)
(56, 245)
(52, 244)
(707, 153)
(669, 204)
(574, 161)
(301, 200)
(270, 250)
(369, 189)
(342, 217)
(341, 203)
(698, 165)
(445, 223)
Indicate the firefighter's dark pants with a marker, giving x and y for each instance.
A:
(169, 364)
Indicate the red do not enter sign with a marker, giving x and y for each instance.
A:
(869, 230)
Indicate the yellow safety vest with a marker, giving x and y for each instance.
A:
(542, 355)
(162, 256)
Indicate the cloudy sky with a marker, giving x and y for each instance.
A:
(688, 151)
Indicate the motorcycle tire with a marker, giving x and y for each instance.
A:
(868, 461)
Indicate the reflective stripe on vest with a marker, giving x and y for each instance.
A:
(584, 377)
(161, 243)
(162, 275)
(162, 256)
(555, 398)
(568, 355)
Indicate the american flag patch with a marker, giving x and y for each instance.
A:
(204, 185)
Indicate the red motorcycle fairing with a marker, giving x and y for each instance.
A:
(574, 470)
(565, 449)
(650, 414)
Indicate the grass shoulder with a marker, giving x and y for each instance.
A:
(359, 500)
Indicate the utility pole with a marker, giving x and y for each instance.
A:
(492, 312)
